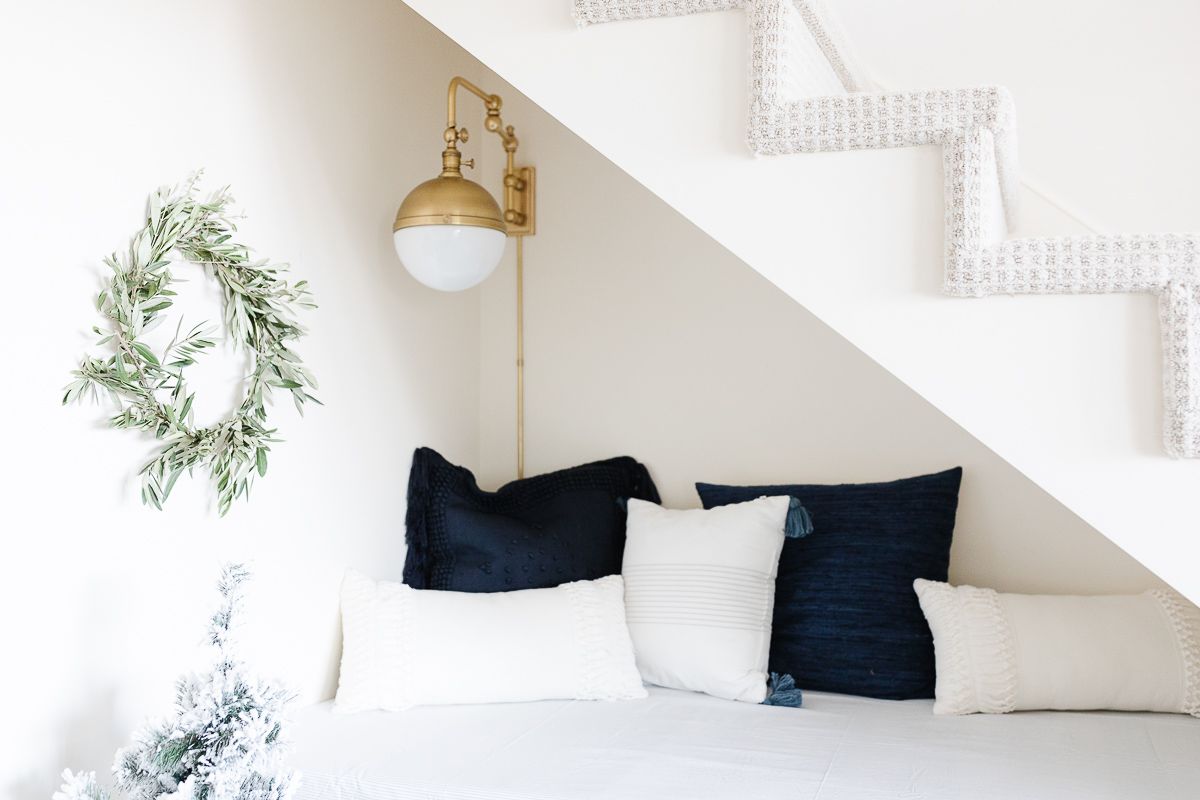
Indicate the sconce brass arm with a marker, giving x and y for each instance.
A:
(518, 182)
(519, 205)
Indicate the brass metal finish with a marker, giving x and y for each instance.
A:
(520, 216)
(520, 355)
(451, 199)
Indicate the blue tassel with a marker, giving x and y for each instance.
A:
(782, 691)
(798, 523)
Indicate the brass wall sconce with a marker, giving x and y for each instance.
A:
(450, 232)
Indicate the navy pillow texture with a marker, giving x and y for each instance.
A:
(846, 617)
(529, 534)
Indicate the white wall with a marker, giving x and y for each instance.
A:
(1067, 389)
(1105, 92)
(645, 337)
(321, 116)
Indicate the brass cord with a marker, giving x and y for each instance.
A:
(520, 356)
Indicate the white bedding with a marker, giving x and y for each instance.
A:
(689, 746)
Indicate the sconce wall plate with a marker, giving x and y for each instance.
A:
(524, 202)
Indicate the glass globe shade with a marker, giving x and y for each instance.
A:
(449, 258)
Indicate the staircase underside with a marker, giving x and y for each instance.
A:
(1066, 389)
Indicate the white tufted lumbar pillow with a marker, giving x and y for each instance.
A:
(1017, 652)
(699, 592)
(403, 647)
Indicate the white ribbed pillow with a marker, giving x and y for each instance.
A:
(699, 592)
(403, 647)
(1017, 652)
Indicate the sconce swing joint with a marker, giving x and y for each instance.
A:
(518, 181)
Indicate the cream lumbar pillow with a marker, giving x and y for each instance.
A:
(404, 647)
(1016, 652)
(699, 593)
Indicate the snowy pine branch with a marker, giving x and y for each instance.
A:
(224, 739)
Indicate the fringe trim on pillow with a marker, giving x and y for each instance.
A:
(416, 526)
(597, 622)
(976, 658)
(990, 641)
(1186, 623)
(782, 691)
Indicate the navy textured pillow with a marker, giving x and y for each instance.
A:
(530, 534)
(846, 617)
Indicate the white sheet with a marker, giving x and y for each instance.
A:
(693, 747)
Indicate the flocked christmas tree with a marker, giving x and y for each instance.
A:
(223, 741)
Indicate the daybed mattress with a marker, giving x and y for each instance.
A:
(684, 745)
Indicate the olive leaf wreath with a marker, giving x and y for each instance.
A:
(258, 309)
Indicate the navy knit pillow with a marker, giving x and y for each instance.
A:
(846, 617)
(533, 533)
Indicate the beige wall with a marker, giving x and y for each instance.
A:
(645, 337)
(1067, 389)
(321, 116)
